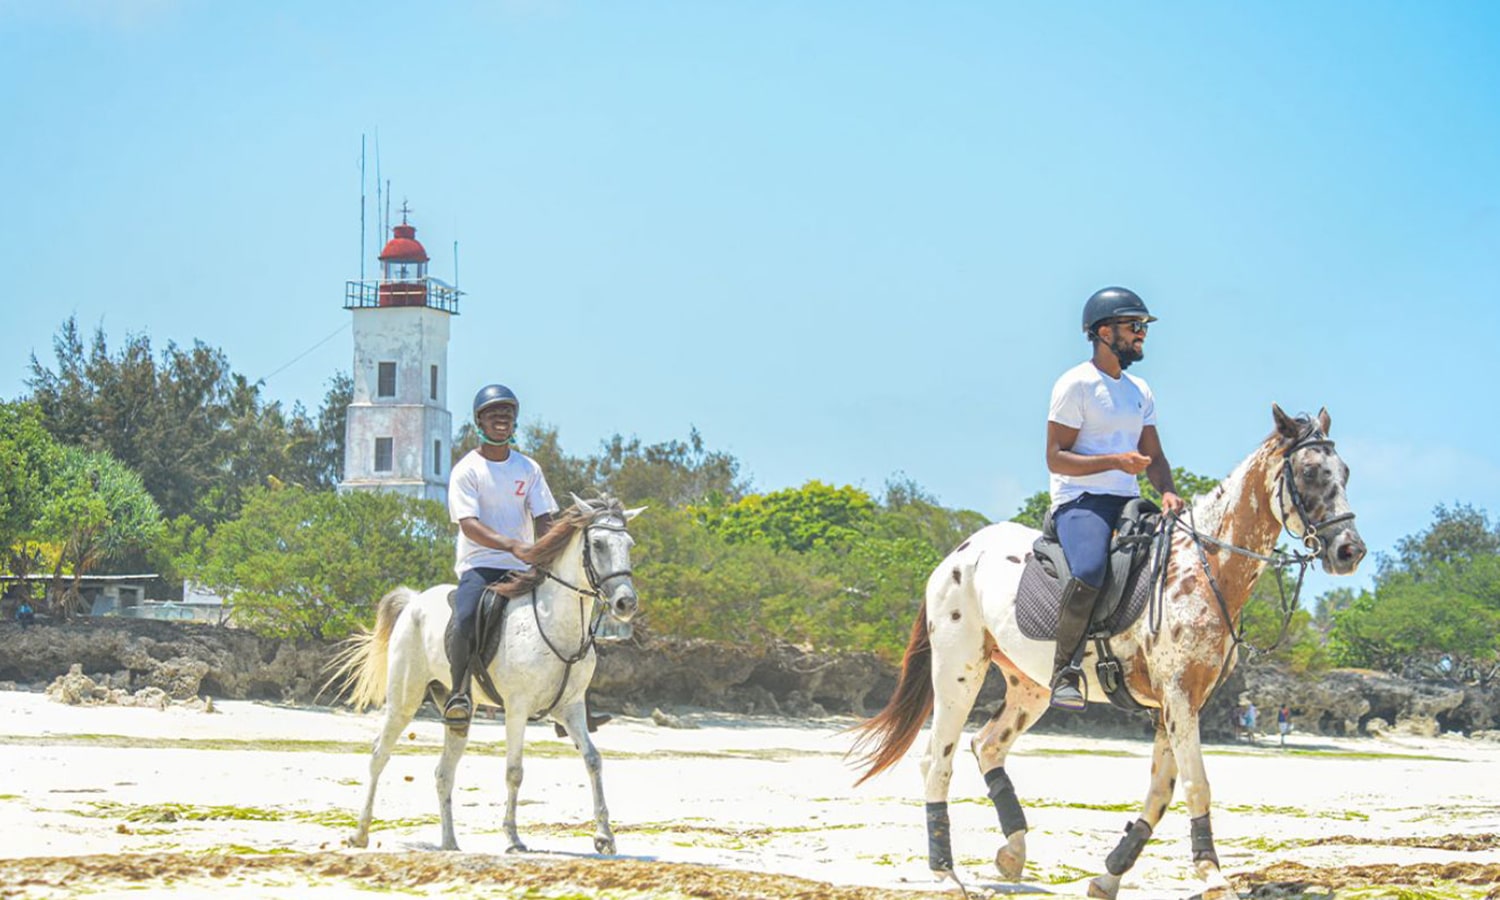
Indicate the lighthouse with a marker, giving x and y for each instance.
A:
(399, 430)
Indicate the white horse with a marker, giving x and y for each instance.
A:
(542, 667)
(1172, 660)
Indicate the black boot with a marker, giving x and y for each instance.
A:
(460, 708)
(1072, 626)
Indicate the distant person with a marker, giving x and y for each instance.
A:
(1101, 434)
(1284, 722)
(25, 615)
(1251, 713)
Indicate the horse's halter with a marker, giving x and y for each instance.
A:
(595, 580)
(1311, 536)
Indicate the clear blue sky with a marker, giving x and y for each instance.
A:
(842, 239)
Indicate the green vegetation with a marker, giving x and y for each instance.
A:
(134, 457)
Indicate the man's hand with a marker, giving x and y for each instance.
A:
(1133, 463)
(1171, 503)
(522, 551)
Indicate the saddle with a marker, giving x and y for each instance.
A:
(489, 621)
(1127, 579)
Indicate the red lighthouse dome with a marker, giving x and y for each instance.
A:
(404, 247)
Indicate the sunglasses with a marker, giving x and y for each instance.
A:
(1136, 326)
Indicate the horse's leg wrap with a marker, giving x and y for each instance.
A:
(1003, 795)
(939, 843)
(1203, 840)
(1121, 858)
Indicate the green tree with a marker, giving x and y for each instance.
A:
(301, 563)
(197, 433)
(673, 473)
(1034, 509)
(1440, 594)
(98, 510)
(28, 458)
(1456, 537)
(814, 515)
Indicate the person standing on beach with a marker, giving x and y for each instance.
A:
(1101, 434)
(1284, 722)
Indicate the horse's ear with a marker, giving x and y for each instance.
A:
(632, 513)
(577, 500)
(1323, 421)
(1286, 426)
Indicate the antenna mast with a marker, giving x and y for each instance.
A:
(361, 209)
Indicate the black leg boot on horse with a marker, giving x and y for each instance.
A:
(460, 706)
(1072, 627)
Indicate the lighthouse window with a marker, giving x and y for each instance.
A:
(387, 386)
(437, 457)
(384, 454)
(434, 382)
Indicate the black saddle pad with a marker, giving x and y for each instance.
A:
(1039, 602)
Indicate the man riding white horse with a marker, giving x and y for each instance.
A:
(1101, 434)
(500, 501)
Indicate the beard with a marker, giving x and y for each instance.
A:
(1126, 353)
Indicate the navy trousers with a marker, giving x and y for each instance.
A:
(1084, 526)
(466, 601)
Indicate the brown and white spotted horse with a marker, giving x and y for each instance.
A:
(1172, 659)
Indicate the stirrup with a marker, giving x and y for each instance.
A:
(1067, 690)
(456, 714)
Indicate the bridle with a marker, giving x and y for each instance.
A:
(594, 591)
(1311, 538)
(595, 580)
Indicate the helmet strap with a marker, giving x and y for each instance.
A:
(508, 442)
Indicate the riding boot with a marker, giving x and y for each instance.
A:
(460, 708)
(1072, 627)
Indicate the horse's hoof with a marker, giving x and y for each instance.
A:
(1100, 891)
(517, 847)
(604, 845)
(1010, 863)
(357, 840)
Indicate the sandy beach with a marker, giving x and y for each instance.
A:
(255, 800)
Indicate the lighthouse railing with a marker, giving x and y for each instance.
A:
(427, 291)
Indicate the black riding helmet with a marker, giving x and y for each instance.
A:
(1113, 303)
(491, 394)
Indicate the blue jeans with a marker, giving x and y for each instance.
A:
(1084, 526)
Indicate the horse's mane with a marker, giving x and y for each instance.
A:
(550, 545)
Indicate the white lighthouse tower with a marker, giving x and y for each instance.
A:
(399, 430)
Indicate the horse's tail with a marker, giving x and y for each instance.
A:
(893, 729)
(359, 668)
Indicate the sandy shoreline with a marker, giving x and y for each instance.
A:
(270, 792)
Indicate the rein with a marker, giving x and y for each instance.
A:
(1277, 559)
(595, 590)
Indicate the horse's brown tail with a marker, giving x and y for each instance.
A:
(885, 738)
(359, 669)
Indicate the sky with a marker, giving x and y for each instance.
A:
(846, 241)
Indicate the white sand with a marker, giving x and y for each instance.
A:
(753, 794)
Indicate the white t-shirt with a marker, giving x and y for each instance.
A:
(506, 496)
(1109, 414)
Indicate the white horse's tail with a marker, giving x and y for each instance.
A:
(359, 669)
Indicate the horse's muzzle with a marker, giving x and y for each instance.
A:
(1344, 553)
(623, 603)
